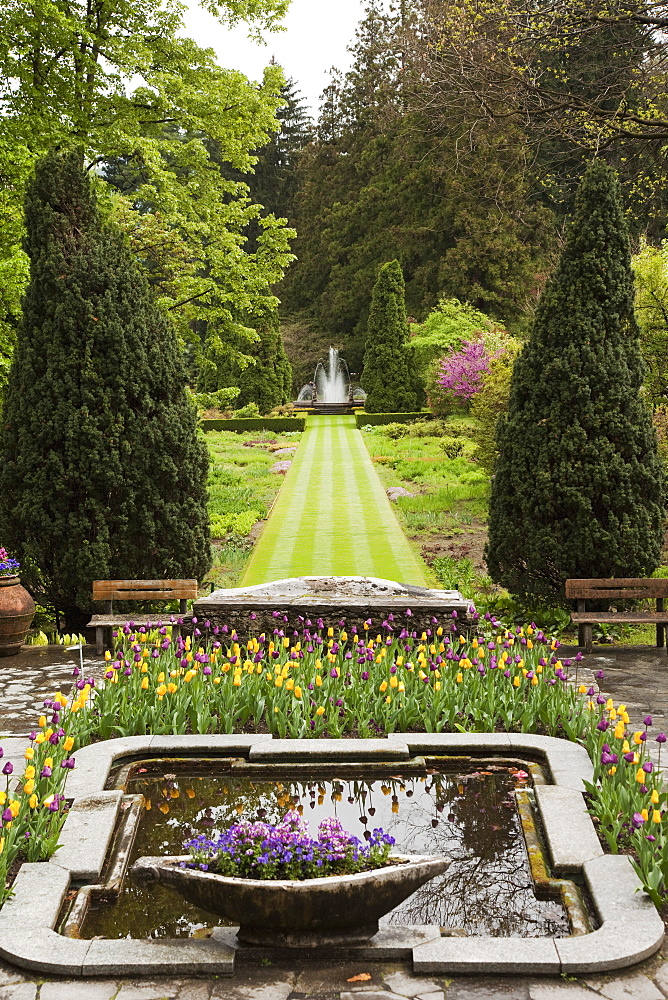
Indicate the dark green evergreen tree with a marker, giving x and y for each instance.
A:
(102, 473)
(269, 381)
(579, 489)
(387, 378)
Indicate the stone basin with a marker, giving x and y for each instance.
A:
(311, 913)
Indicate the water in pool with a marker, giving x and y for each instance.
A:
(469, 817)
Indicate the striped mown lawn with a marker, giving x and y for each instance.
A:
(332, 516)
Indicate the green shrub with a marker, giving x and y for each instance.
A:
(249, 410)
(241, 424)
(489, 404)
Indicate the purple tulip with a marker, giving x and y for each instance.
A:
(647, 720)
(8, 768)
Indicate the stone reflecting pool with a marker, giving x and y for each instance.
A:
(472, 814)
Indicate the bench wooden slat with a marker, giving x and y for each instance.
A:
(109, 621)
(620, 588)
(140, 590)
(620, 617)
(147, 595)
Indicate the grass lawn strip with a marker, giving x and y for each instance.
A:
(332, 516)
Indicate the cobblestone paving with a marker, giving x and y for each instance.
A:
(637, 676)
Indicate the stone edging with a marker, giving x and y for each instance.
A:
(630, 927)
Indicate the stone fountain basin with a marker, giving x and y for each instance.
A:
(334, 910)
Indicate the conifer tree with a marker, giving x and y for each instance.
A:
(102, 473)
(387, 378)
(269, 381)
(579, 490)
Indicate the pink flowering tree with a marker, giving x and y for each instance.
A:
(460, 373)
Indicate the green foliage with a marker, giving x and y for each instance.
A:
(159, 117)
(242, 424)
(443, 330)
(499, 346)
(490, 403)
(579, 487)
(387, 378)
(221, 399)
(264, 378)
(650, 267)
(249, 410)
(102, 473)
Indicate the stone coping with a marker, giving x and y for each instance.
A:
(630, 928)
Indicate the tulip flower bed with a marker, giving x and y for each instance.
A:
(287, 851)
(33, 811)
(347, 682)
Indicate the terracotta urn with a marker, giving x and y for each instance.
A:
(315, 912)
(17, 610)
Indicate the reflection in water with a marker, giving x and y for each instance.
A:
(470, 818)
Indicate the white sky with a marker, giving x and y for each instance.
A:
(316, 37)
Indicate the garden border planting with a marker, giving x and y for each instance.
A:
(630, 927)
(363, 419)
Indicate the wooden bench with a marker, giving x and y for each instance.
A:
(138, 590)
(617, 589)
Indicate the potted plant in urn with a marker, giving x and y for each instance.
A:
(17, 607)
(288, 890)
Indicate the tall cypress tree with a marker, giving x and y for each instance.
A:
(269, 381)
(387, 378)
(579, 489)
(102, 473)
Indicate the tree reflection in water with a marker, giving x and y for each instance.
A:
(469, 817)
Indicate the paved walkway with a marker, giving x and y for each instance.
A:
(332, 516)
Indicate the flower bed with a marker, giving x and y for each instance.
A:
(318, 682)
(287, 851)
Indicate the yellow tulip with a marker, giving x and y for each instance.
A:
(655, 797)
(320, 710)
(516, 681)
(29, 772)
(29, 786)
(68, 743)
(656, 816)
(144, 684)
(298, 692)
(32, 801)
(29, 754)
(383, 687)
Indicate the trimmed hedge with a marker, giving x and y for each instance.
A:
(254, 424)
(375, 419)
